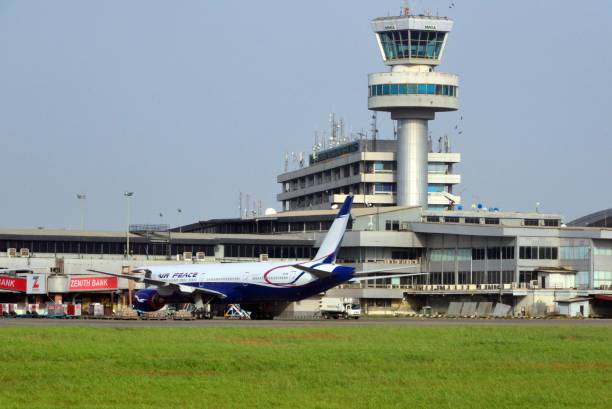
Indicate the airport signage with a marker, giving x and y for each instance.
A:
(36, 284)
(92, 283)
(13, 283)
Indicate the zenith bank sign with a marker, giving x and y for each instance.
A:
(13, 283)
(92, 283)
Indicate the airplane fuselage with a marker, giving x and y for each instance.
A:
(250, 282)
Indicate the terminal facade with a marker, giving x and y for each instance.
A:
(407, 215)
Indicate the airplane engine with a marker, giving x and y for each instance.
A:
(148, 300)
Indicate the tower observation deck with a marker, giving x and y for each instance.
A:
(412, 92)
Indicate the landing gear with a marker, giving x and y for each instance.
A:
(202, 309)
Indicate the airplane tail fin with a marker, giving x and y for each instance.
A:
(331, 244)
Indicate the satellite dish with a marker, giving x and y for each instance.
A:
(270, 211)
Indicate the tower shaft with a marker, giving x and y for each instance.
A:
(411, 159)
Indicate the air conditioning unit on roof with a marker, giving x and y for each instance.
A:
(24, 252)
(11, 252)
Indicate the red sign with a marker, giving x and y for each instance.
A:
(13, 283)
(92, 283)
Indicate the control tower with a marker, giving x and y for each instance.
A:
(412, 46)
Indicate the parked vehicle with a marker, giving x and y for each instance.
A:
(335, 308)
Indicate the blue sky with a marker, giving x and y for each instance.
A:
(189, 103)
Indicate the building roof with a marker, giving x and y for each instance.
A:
(116, 236)
(602, 218)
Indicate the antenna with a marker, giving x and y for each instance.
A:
(240, 204)
(374, 126)
(406, 10)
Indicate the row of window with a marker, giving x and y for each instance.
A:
(412, 89)
(462, 277)
(574, 253)
(455, 219)
(599, 251)
(536, 222)
(602, 278)
(401, 44)
(254, 250)
(105, 248)
(538, 253)
(489, 253)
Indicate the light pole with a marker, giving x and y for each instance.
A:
(81, 197)
(180, 211)
(127, 196)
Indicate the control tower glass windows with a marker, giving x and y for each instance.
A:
(404, 44)
(412, 89)
(426, 44)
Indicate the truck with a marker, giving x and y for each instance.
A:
(334, 307)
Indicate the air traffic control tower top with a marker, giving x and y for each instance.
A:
(413, 46)
(412, 40)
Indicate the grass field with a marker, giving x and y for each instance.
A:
(337, 367)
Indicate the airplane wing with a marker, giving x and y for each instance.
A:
(324, 274)
(161, 283)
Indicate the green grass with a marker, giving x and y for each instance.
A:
(334, 367)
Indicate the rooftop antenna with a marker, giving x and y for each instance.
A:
(286, 162)
(429, 143)
(406, 9)
(374, 129)
(240, 204)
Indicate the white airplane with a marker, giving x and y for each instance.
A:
(261, 287)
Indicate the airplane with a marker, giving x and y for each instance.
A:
(264, 288)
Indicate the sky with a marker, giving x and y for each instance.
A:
(189, 103)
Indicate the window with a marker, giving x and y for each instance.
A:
(449, 277)
(384, 188)
(451, 219)
(478, 277)
(493, 253)
(541, 253)
(531, 222)
(392, 225)
(574, 253)
(600, 251)
(493, 277)
(507, 277)
(464, 277)
(490, 220)
(602, 279)
(464, 254)
(551, 222)
(437, 167)
(508, 253)
(435, 187)
(472, 220)
(433, 219)
(527, 276)
(478, 254)
(528, 252)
